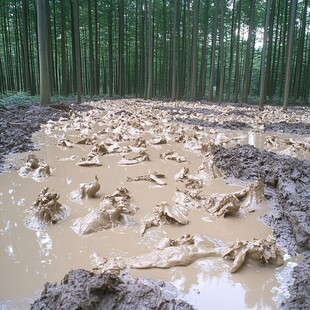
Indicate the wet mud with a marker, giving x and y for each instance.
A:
(19, 121)
(172, 157)
(81, 289)
(288, 181)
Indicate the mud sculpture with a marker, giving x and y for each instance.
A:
(172, 256)
(154, 177)
(294, 147)
(114, 210)
(86, 190)
(264, 251)
(46, 210)
(186, 239)
(189, 199)
(35, 167)
(222, 205)
(165, 214)
(251, 195)
(140, 143)
(208, 169)
(209, 148)
(227, 204)
(86, 140)
(135, 159)
(190, 181)
(158, 140)
(65, 142)
(173, 155)
(98, 150)
(89, 161)
(170, 253)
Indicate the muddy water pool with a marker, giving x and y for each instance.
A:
(29, 258)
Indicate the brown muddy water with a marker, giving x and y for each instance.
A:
(29, 258)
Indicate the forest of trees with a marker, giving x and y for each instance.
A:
(222, 50)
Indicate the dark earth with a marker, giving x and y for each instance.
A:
(287, 182)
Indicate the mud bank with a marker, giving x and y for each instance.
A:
(81, 289)
(288, 181)
(18, 122)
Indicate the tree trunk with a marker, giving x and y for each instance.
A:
(299, 59)
(212, 64)
(290, 42)
(175, 50)
(262, 89)
(91, 50)
(45, 92)
(77, 61)
(247, 65)
(64, 69)
(222, 60)
(150, 61)
(121, 65)
(193, 88)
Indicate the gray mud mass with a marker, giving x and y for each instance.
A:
(81, 289)
(288, 182)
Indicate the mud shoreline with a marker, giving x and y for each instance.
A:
(287, 179)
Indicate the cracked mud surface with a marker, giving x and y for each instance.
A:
(286, 179)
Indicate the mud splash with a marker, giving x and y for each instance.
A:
(127, 140)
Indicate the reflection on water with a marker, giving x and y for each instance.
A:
(30, 258)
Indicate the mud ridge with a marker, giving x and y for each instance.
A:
(81, 289)
(288, 181)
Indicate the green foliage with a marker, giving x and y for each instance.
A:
(18, 98)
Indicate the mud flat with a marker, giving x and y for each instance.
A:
(171, 158)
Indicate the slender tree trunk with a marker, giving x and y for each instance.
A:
(299, 59)
(212, 64)
(149, 93)
(97, 56)
(222, 59)
(121, 65)
(45, 92)
(247, 66)
(231, 50)
(77, 50)
(194, 51)
(91, 50)
(64, 69)
(27, 81)
(175, 50)
(203, 73)
(262, 90)
(290, 41)
(237, 66)
(110, 44)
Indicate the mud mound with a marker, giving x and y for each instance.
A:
(289, 177)
(296, 128)
(81, 289)
(233, 125)
(19, 121)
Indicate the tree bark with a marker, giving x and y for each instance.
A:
(290, 39)
(262, 89)
(45, 92)
(77, 62)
